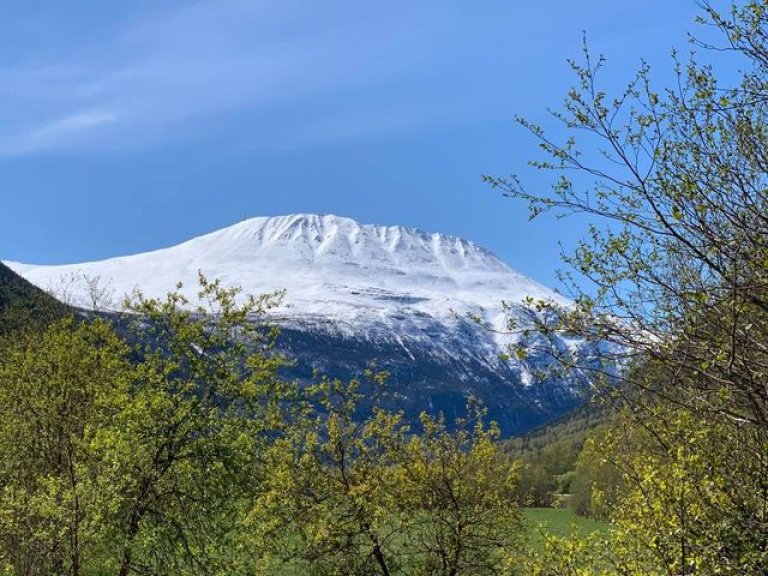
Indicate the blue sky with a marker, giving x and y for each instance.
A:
(129, 126)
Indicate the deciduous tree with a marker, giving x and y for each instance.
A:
(674, 182)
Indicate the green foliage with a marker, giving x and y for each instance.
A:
(597, 482)
(134, 458)
(55, 393)
(687, 501)
(675, 184)
(462, 488)
(537, 486)
(183, 445)
(570, 431)
(166, 445)
(324, 503)
(697, 497)
(584, 555)
(554, 465)
(345, 496)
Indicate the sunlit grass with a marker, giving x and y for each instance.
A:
(558, 522)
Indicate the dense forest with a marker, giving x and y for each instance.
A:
(166, 443)
(560, 466)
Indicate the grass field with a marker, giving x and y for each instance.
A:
(557, 522)
(539, 521)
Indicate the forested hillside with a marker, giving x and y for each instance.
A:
(568, 432)
(561, 468)
(23, 305)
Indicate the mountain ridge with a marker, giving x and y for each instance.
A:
(429, 308)
(331, 267)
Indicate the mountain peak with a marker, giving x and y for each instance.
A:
(335, 238)
(331, 267)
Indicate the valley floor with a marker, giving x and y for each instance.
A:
(558, 522)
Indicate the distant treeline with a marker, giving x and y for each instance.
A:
(561, 468)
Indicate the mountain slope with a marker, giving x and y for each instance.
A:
(23, 305)
(331, 266)
(359, 293)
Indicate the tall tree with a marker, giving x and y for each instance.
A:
(675, 184)
(54, 388)
(135, 450)
(355, 494)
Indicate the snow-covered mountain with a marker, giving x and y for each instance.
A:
(359, 293)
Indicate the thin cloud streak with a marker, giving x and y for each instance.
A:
(56, 133)
(215, 58)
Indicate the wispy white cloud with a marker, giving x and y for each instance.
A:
(212, 58)
(74, 123)
(56, 133)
